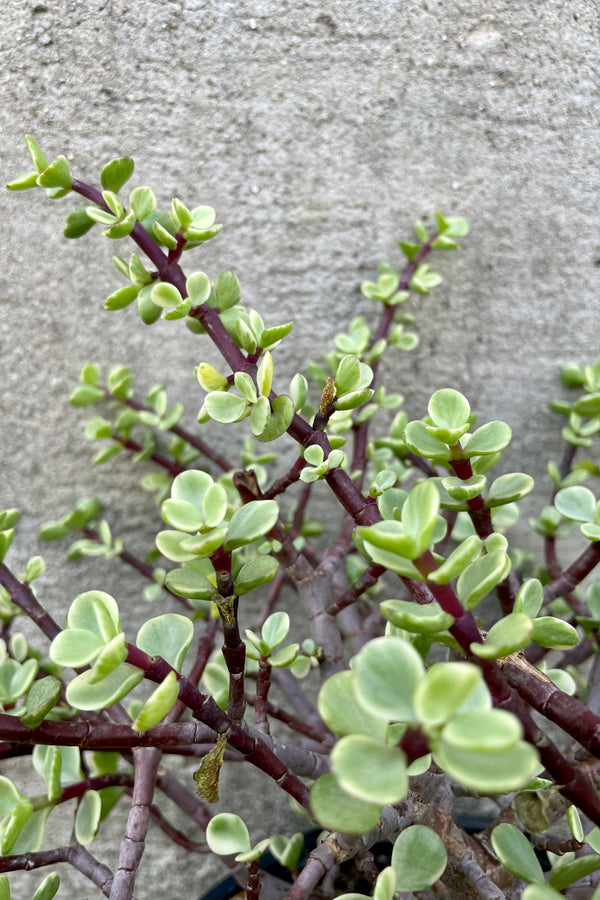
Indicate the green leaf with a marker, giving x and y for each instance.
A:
(82, 693)
(554, 633)
(227, 290)
(246, 386)
(574, 820)
(483, 730)
(449, 409)
(385, 886)
(116, 173)
(509, 488)
(427, 619)
(347, 376)
(418, 858)
(9, 518)
(489, 772)
(490, 438)
(15, 678)
(464, 489)
(457, 227)
(509, 634)
(42, 696)
(112, 655)
(31, 835)
(38, 158)
(540, 891)
(9, 796)
(78, 222)
(516, 853)
(370, 770)
(56, 175)
(47, 888)
(390, 536)
(264, 375)
(478, 579)
(165, 295)
(285, 656)
(254, 573)
(163, 235)
(168, 636)
(4, 888)
(341, 711)
(391, 560)
(85, 394)
(193, 584)
(529, 598)
(420, 441)
(48, 762)
(387, 671)
(122, 298)
(464, 554)
(338, 811)
(23, 182)
(275, 629)
(14, 826)
(226, 834)
(6, 539)
(420, 512)
(570, 872)
(95, 611)
(590, 531)
(353, 399)
(282, 413)
(199, 288)
(577, 503)
(224, 407)
(87, 820)
(143, 203)
(287, 851)
(36, 567)
(181, 515)
(270, 337)
(203, 544)
(251, 521)
(158, 704)
(443, 690)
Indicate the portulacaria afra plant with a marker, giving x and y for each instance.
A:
(417, 706)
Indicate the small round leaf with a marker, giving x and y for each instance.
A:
(168, 636)
(443, 690)
(418, 858)
(227, 834)
(158, 705)
(516, 853)
(251, 521)
(335, 809)
(387, 671)
(370, 770)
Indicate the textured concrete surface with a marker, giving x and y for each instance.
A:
(319, 130)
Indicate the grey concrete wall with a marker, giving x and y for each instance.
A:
(319, 130)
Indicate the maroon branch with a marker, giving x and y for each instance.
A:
(76, 855)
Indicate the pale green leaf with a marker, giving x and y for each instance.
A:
(227, 834)
(516, 853)
(338, 811)
(87, 819)
(158, 704)
(370, 770)
(387, 671)
(418, 858)
(169, 636)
